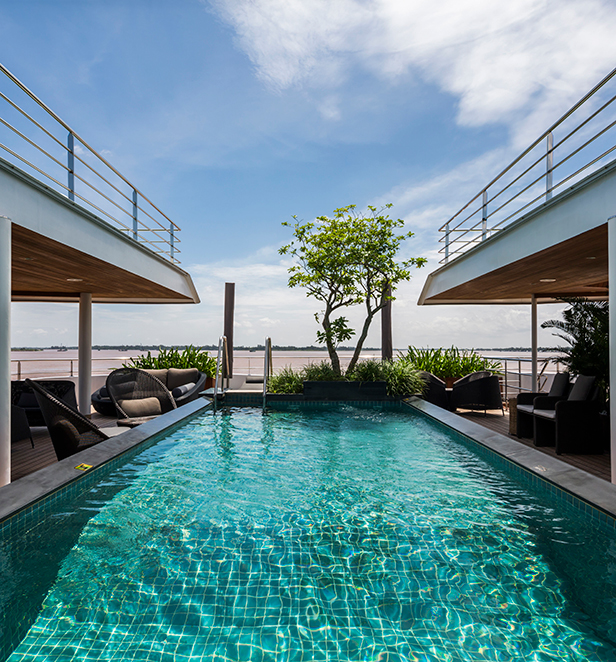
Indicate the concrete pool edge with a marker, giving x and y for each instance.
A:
(34, 488)
(590, 489)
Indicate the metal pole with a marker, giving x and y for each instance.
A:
(549, 165)
(484, 215)
(135, 212)
(171, 241)
(387, 349)
(446, 243)
(85, 353)
(71, 166)
(533, 341)
(266, 368)
(5, 350)
(228, 321)
(612, 339)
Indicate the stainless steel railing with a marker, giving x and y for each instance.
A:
(35, 139)
(586, 138)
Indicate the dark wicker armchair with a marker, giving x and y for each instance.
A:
(70, 432)
(22, 396)
(526, 404)
(435, 391)
(138, 396)
(479, 390)
(573, 424)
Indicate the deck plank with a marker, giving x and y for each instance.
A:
(598, 465)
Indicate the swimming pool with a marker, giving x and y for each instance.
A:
(336, 533)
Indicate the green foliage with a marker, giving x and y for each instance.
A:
(189, 357)
(449, 362)
(291, 381)
(285, 381)
(347, 260)
(400, 376)
(320, 372)
(585, 328)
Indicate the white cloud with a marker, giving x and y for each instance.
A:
(497, 58)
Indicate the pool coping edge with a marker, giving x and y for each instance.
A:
(26, 492)
(595, 491)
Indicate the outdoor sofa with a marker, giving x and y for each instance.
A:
(22, 396)
(185, 384)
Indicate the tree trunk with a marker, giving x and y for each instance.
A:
(360, 342)
(333, 354)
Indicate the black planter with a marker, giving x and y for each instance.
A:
(345, 391)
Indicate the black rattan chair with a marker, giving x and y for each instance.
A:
(138, 396)
(526, 404)
(573, 424)
(479, 390)
(69, 430)
(20, 428)
(435, 391)
(23, 397)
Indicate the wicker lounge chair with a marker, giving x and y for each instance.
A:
(526, 404)
(70, 432)
(479, 390)
(185, 385)
(138, 396)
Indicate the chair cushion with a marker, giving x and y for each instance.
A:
(159, 374)
(180, 376)
(103, 392)
(545, 413)
(179, 391)
(582, 388)
(141, 407)
(527, 409)
(27, 401)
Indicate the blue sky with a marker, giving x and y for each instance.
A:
(234, 115)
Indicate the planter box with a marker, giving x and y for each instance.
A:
(345, 391)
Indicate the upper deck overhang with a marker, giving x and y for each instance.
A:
(563, 242)
(60, 250)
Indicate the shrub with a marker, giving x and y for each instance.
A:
(451, 362)
(401, 377)
(189, 357)
(285, 381)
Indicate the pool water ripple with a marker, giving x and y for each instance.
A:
(339, 535)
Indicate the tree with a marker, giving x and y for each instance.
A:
(585, 328)
(347, 260)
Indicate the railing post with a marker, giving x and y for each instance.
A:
(71, 166)
(18, 370)
(447, 243)
(135, 210)
(484, 215)
(549, 165)
(171, 240)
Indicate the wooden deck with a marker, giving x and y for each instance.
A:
(25, 459)
(598, 465)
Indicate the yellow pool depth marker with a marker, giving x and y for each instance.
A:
(83, 467)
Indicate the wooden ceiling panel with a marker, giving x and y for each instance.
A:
(45, 269)
(577, 267)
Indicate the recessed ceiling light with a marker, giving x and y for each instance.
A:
(26, 259)
(75, 280)
(591, 257)
(547, 280)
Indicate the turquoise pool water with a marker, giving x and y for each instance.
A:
(345, 534)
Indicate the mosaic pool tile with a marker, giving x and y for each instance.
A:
(337, 533)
